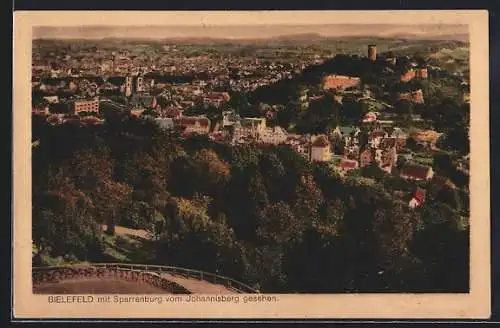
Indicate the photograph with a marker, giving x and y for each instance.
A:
(197, 161)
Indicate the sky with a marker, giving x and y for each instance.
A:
(444, 31)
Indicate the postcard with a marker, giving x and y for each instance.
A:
(251, 164)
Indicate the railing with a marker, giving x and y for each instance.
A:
(60, 273)
(229, 283)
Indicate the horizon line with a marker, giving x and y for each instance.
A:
(251, 31)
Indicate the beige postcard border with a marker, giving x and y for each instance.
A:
(476, 304)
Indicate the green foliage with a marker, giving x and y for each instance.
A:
(373, 171)
(192, 239)
(352, 110)
(278, 225)
(135, 215)
(268, 216)
(321, 116)
(63, 224)
(289, 114)
(213, 113)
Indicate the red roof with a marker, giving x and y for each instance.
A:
(343, 82)
(420, 195)
(218, 95)
(218, 136)
(187, 121)
(377, 134)
(348, 163)
(172, 112)
(415, 171)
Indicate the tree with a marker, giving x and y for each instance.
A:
(192, 239)
(450, 197)
(277, 225)
(244, 156)
(318, 273)
(266, 268)
(239, 102)
(214, 172)
(185, 177)
(395, 229)
(135, 215)
(328, 180)
(458, 139)
(113, 197)
(330, 219)
(447, 114)
(90, 167)
(373, 171)
(420, 59)
(273, 173)
(308, 198)
(63, 220)
(93, 170)
(212, 112)
(246, 197)
(288, 115)
(443, 162)
(405, 108)
(147, 171)
(156, 225)
(338, 144)
(321, 117)
(443, 243)
(351, 111)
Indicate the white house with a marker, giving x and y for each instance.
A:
(320, 149)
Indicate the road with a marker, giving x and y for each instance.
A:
(119, 230)
(197, 286)
(194, 285)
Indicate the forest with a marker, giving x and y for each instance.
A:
(264, 216)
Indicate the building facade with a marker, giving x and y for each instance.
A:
(275, 135)
(320, 149)
(86, 105)
(194, 124)
(340, 82)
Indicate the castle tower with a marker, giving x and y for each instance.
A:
(372, 52)
(139, 84)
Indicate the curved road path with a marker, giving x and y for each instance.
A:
(195, 286)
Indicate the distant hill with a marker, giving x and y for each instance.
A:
(448, 37)
(292, 38)
(250, 32)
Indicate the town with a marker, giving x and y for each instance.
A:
(77, 88)
(244, 158)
